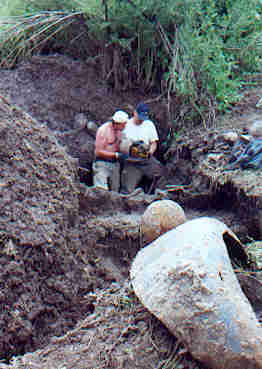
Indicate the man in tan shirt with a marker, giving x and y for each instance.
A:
(106, 167)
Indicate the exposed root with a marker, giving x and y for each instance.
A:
(85, 324)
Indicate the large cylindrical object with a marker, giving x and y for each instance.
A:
(185, 278)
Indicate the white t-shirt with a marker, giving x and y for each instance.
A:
(146, 131)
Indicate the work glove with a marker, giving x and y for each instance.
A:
(122, 158)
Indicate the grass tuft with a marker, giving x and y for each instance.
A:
(21, 36)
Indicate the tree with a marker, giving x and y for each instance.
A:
(196, 53)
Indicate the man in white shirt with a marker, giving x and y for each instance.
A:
(138, 128)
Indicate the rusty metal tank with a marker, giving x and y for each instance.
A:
(185, 278)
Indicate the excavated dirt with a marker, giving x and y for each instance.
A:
(66, 249)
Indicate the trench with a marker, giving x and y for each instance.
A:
(57, 305)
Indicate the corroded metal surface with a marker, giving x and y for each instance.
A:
(186, 280)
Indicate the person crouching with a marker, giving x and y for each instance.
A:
(106, 166)
(139, 129)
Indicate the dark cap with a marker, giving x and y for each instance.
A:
(142, 111)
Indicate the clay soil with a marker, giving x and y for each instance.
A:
(107, 327)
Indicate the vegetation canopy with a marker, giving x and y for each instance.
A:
(195, 54)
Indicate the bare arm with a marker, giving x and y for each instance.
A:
(104, 154)
(100, 147)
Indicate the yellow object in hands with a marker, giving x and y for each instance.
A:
(139, 150)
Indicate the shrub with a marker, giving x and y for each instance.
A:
(215, 46)
(195, 53)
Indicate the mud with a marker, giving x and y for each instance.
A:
(68, 303)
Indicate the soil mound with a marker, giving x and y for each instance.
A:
(39, 210)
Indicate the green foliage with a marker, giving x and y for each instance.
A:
(216, 44)
(26, 25)
(24, 7)
(22, 36)
(196, 53)
(12, 8)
